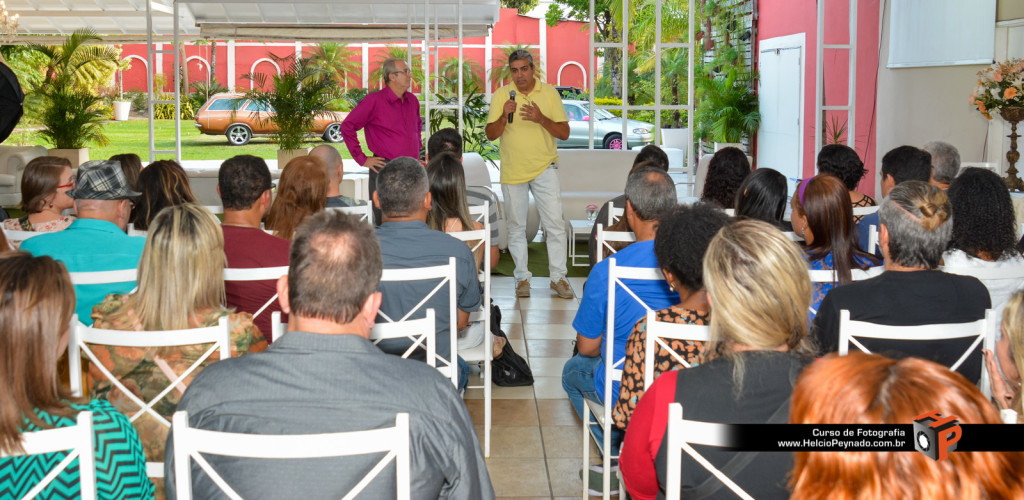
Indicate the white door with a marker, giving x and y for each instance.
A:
(780, 101)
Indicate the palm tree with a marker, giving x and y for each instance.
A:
(77, 64)
(301, 93)
(449, 75)
(335, 58)
(397, 53)
(499, 67)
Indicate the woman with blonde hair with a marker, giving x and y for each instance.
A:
(301, 192)
(44, 187)
(38, 304)
(759, 290)
(1010, 352)
(181, 286)
(162, 184)
(871, 389)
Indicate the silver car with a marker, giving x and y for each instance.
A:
(607, 128)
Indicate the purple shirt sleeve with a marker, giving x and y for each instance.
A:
(391, 126)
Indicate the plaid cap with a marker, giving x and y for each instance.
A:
(101, 180)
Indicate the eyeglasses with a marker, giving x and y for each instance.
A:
(406, 71)
(68, 185)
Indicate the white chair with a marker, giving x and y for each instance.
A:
(603, 238)
(104, 277)
(420, 332)
(18, 236)
(444, 275)
(680, 435)
(277, 328)
(256, 274)
(484, 352)
(862, 211)
(658, 332)
(365, 212)
(793, 236)
(731, 212)
(135, 232)
(615, 213)
(601, 414)
(829, 275)
(191, 443)
(1015, 273)
(82, 335)
(76, 440)
(872, 239)
(850, 330)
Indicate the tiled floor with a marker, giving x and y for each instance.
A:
(536, 437)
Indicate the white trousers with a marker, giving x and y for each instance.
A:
(547, 192)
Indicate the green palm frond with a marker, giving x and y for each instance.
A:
(302, 92)
(500, 71)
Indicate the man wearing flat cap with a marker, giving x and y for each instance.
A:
(96, 241)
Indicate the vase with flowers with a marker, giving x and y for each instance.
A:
(1001, 90)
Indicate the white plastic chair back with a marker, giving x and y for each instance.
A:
(681, 434)
(731, 212)
(365, 212)
(104, 277)
(256, 274)
(793, 236)
(483, 353)
(191, 444)
(980, 330)
(445, 275)
(615, 213)
(830, 276)
(82, 335)
(421, 332)
(277, 328)
(604, 249)
(658, 335)
(77, 441)
(872, 239)
(135, 232)
(19, 236)
(1015, 273)
(862, 211)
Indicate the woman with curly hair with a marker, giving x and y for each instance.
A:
(162, 184)
(726, 172)
(871, 389)
(823, 217)
(984, 233)
(842, 161)
(301, 192)
(679, 245)
(762, 196)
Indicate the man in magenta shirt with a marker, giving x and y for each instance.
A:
(391, 120)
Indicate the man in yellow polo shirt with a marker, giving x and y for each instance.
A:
(529, 162)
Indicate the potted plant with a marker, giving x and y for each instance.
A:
(727, 109)
(71, 118)
(122, 106)
(300, 94)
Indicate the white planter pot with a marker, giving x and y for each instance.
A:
(121, 110)
(75, 156)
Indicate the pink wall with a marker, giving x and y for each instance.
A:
(787, 17)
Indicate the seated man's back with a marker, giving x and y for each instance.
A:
(248, 248)
(334, 384)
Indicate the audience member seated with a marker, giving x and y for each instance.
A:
(184, 241)
(163, 184)
(762, 196)
(842, 161)
(96, 241)
(650, 196)
(682, 239)
(871, 389)
(34, 315)
(131, 165)
(337, 381)
(301, 192)
(759, 289)
(726, 171)
(449, 210)
(335, 170)
(945, 163)
(649, 156)
(403, 196)
(243, 183)
(1010, 353)
(448, 140)
(44, 196)
(901, 164)
(823, 217)
(915, 230)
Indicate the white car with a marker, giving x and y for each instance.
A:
(607, 128)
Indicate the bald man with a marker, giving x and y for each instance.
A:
(335, 171)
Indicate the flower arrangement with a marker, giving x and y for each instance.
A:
(1001, 85)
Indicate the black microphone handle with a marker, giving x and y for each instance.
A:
(513, 97)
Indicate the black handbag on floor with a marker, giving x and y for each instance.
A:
(509, 369)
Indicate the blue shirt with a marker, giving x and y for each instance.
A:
(91, 245)
(592, 315)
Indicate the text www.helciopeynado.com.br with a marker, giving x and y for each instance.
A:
(848, 439)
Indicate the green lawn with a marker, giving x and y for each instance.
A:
(133, 137)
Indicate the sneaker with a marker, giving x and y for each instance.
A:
(523, 288)
(562, 288)
(595, 480)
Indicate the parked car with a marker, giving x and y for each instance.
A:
(240, 119)
(607, 128)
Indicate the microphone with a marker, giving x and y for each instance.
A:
(512, 96)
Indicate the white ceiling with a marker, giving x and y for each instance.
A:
(124, 21)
